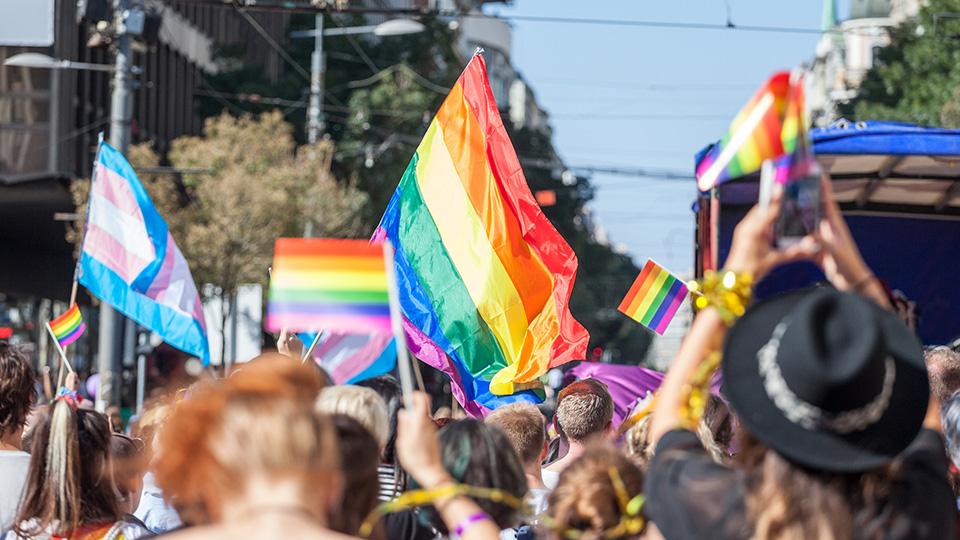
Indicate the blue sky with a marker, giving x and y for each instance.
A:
(650, 97)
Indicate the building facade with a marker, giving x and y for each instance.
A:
(847, 49)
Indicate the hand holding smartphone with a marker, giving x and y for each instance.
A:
(800, 204)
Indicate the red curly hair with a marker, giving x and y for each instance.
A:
(257, 420)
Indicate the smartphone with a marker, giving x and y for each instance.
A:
(800, 209)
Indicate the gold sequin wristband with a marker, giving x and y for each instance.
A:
(728, 291)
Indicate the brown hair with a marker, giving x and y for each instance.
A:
(789, 502)
(360, 456)
(586, 408)
(69, 480)
(943, 368)
(126, 459)
(586, 499)
(16, 388)
(523, 424)
(259, 419)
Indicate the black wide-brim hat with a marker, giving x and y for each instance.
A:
(829, 380)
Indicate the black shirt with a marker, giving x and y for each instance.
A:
(689, 496)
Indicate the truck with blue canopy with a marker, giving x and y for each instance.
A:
(898, 186)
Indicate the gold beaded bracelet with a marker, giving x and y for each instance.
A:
(728, 291)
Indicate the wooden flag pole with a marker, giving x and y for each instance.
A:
(56, 343)
(403, 355)
(313, 346)
(73, 292)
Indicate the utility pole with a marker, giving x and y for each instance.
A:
(121, 107)
(315, 110)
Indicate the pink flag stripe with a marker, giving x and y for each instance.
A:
(72, 336)
(360, 360)
(115, 189)
(103, 247)
(671, 311)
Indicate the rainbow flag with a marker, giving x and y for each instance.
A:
(484, 278)
(68, 327)
(793, 134)
(328, 284)
(754, 136)
(654, 298)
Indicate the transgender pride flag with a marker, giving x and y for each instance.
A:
(130, 261)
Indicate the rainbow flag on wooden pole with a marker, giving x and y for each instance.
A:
(66, 329)
(484, 279)
(320, 284)
(654, 298)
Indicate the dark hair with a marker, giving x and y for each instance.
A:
(69, 480)
(482, 456)
(359, 460)
(16, 388)
(389, 389)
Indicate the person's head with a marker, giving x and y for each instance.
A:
(116, 419)
(388, 387)
(361, 404)
(16, 390)
(943, 366)
(230, 441)
(126, 459)
(69, 480)
(585, 410)
(716, 417)
(586, 499)
(523, 425)
(950, 420)
(829, 389)
(479, 455)
(359, 461)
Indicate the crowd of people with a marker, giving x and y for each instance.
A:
(832, 423)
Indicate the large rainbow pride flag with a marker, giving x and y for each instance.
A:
(484, 278)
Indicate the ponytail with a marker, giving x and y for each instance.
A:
(62, 468)
(69, 480)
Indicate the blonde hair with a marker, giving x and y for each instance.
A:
(360, 403)
(636, 443)
(523, 424)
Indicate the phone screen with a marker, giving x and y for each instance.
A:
(799, 209)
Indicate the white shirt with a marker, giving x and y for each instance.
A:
(550, 479)
(13, 475)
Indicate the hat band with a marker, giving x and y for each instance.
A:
(810, 416)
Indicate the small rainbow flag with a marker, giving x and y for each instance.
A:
(68, 327)
(754, 136)
(330, 285)
(654, 298)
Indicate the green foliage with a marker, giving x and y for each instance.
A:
(914, 78)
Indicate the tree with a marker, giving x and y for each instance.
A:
(262, 187)
(914, 78)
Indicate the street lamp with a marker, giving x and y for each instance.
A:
(42, 61)
(128, 22)
(395, 27)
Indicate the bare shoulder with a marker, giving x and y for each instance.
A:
(290, 531)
